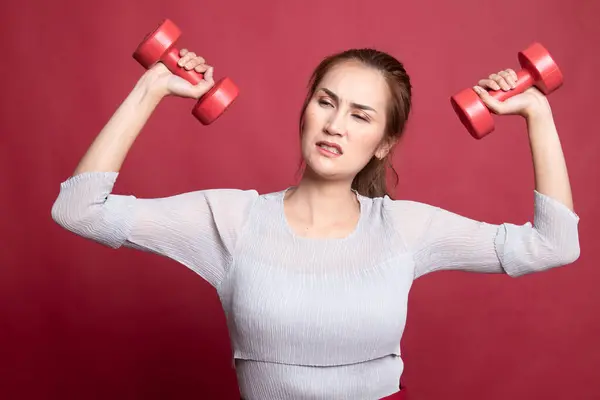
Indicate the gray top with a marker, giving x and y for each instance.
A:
(313, 318)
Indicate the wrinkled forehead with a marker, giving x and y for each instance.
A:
(353, 82)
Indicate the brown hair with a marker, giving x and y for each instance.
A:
(371, 181)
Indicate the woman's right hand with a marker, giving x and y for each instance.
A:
(158, 79)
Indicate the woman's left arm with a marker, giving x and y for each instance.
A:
(551, 176)
(451, 241)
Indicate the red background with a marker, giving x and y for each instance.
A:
(78, 320)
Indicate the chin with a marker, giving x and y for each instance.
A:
(327, 169)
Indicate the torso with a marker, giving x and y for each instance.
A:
(304, 310)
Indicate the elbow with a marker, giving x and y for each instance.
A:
(552, 242)
(568, 254)
(74, 218)
(83, 208)
(531, 256)
(86, 221)
(560, 255)
(60, 214)
(564, 247)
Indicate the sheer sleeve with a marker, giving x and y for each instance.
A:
(442, 240)
(198, 229)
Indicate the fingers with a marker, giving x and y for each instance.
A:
(512, 74)
(503, 80)
(189, 60)
(489, 83)
(510, 78)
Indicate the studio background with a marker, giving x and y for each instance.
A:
(79, 320)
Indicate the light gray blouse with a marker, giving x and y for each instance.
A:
(313, 318)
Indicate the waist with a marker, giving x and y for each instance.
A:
(373, 379)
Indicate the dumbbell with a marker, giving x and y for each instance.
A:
(538, 69)
(159, 46)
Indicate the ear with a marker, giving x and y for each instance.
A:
(384, 148)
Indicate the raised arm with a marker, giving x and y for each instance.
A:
(109, 149)
(198, 229)
(551, 176)
(445, 240)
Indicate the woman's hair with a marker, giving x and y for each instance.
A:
(371, 181)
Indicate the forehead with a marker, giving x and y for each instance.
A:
(357, 83)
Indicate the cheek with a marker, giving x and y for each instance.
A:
(311, 123)
(311, 116)
(366, 139)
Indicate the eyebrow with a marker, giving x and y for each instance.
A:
(354, 105)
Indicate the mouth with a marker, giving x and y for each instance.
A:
(331, 148)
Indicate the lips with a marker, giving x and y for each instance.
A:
(332, 145)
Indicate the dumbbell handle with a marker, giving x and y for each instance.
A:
(170, 59)
(524, 81)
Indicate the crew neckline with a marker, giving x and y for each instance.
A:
(296, 236)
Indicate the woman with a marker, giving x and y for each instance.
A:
(314, 279)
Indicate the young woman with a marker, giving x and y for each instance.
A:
(314, 279)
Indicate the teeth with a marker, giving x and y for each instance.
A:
(329, 148)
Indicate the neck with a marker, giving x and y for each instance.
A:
(323, 202)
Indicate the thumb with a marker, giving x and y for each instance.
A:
(204, 85)
(493, 104)
(208, 76)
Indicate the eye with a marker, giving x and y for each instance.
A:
(325, 102)
(360, 117)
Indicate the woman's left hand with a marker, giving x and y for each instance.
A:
(525, 104)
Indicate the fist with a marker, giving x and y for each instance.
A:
(524, 104)
(162, 81)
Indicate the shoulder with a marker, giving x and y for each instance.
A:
(236, 201)
(218, 199)
(401, 209)
(231, 200)
(230, 194)
(409, 219)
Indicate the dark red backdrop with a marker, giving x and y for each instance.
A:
(78, 320)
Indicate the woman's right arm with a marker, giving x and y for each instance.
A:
(110, 147)
(197, 229)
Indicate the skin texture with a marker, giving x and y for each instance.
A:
(348, 109)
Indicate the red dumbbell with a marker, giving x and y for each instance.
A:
(539, 70)
(159, 46)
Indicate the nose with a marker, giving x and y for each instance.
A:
(336, 124)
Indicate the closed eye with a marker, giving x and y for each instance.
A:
(327, 103)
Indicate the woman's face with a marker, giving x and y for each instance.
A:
(344, 122)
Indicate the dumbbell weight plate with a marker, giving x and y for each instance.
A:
(156, 43)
